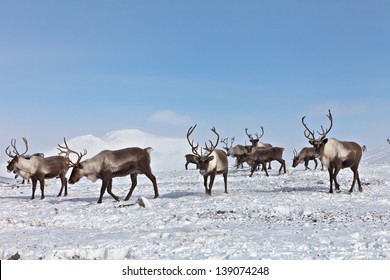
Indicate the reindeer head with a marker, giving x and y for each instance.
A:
(319, 143)
(229, 150)
(295, 159)
(203, 160)
(16, 155)
(256, 140)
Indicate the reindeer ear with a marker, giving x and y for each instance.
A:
(325, 140)
(210, 158)
(311, 142)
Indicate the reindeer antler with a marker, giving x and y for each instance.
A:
(256, 134)
(15, 150)
(307, 131)
(323, 133)
(225, 141)
(193, 147)
(248, 134)
(213, 146)
(207, 148)
(66, 151)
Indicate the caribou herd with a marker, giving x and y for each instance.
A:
(108, 164)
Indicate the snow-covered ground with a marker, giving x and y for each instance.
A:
(288, 216)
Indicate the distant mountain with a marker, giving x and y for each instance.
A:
(168, 153)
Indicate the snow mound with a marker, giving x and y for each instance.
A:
(168, 153)
(378, 155)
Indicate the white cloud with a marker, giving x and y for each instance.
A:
(169, 117)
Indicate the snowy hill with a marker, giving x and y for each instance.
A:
(168, 153)
(378, 155)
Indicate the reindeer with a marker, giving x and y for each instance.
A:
(305, 155)
(335, 154)
(256, 142)
(25, 177)
(262, 156)
(38, 168)
(107, 165)
(237, 151)
(190, 158)
(388, 140)
(212, 163)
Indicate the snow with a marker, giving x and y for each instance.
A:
(289, 216)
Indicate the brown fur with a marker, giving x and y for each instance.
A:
(264, 155)
(110, 164)
(305, 155)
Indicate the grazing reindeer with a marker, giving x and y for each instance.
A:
(190, 158)
(39, 168)
(264, 155)
(256, 142)
(110, 164)
(212, 163)
(305, 155)
(335, 154)
(238, 151)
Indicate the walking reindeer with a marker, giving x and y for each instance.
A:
(211, 163)
(335, 154)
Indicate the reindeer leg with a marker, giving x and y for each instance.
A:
(336, 184)
(64, 184)
(109, 190)
(225, 181)
(330, 170)
(316, 163)
(154, 182)
(42, 184)
(282, 165)
(34, 186)
(103, 189)
(212, 177)
(355, 178)
(265, 168)
(133, 185)
(254, 166)
(205, 185)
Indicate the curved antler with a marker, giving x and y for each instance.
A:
(248, 134)
(66, 151)
(225, 141)
(262, 133)
(213, 146)
(15, 150)
(193, 147)
(307, 130)
(256, 134)
(324, 133)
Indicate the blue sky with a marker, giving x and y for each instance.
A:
(69, 68)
